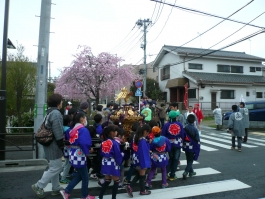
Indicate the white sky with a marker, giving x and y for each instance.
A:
(103, 24)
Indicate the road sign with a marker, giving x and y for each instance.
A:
(138, 93)
(138, 84)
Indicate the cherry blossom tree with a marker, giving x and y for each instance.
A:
(91, 77)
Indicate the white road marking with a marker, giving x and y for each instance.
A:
(189, 191)
(226, 141)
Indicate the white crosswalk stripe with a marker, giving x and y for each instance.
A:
(185, 191)
(225, 141)
(214, 143)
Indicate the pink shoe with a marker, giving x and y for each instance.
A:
(64, 194)
(89, 197)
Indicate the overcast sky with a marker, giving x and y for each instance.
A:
(103, 25)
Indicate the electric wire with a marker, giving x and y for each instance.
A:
(153, 11)
(159, 13)
(213, 51)
(124, 38)
(205, 13)
(212, 26)
(164, 24)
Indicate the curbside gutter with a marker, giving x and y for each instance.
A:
(23, 163)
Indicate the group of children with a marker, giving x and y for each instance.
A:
(149, 149)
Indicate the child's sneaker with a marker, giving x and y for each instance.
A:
(129, 190)
(184, 175)
(64, 194)
(192, 174)
(172, 178)
(65, 181)
(94, 176)
(239, 149)
(89, 197)
(121, 186)
(145, 192)
(164, 186)
(100, 183)
(148, 186)
(38, 191)
(126, 182)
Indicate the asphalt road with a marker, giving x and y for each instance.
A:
(229, 166)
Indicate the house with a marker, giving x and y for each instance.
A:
(220, 78)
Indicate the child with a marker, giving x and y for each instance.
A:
(160, 145)
(191, 145)
(140, 159)
(135, 126)
(236, 127)
(98, 124)
(111, 160)
(80, 141)
(173, 130)
(120, 139)
(66, 167)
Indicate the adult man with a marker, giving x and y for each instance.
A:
(236, 127)
(107, 111)
(162, 114)
(84, 108)
(245, 114)
(147, 112)
(217, 112)
(189, 112)
(174, 107)
(68, 107)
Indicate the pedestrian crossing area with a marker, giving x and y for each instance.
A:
(210, 142)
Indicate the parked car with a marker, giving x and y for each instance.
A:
(256, 111)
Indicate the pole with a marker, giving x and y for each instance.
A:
(42, 67)
(3, 85)
(145, 68)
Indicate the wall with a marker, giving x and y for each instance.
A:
(210, 65)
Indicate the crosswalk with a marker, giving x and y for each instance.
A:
(210, 142)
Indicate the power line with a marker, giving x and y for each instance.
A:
(140, 40)
(205, 13)
(213, 51)
(124, 38)
(153, 12)
(164, 24)
(159, 14)
(128, 42)
(224, 19)
(138, 61)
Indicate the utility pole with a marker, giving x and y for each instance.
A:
(42, 69)
(50, 78)
(145, 23)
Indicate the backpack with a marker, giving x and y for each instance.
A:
(44, 136)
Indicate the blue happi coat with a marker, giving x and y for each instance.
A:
(160, 146)
(175, 133)
(191, 141)
(111, 157)
(80, 140)
(140, 154)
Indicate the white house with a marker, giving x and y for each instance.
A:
(220, 78)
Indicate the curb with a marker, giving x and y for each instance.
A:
(22, 163)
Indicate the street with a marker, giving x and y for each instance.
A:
(221, 173)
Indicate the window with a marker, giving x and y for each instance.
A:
(252, 69)
(154, 69)
(227, 94)
(236, 69)
(247, 93)
(223, 68)
(195, 66)
(258, 94)
(260, 106)
(165, 73)
(192, 93)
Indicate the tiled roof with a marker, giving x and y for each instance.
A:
(225, 78)
(222, 53)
